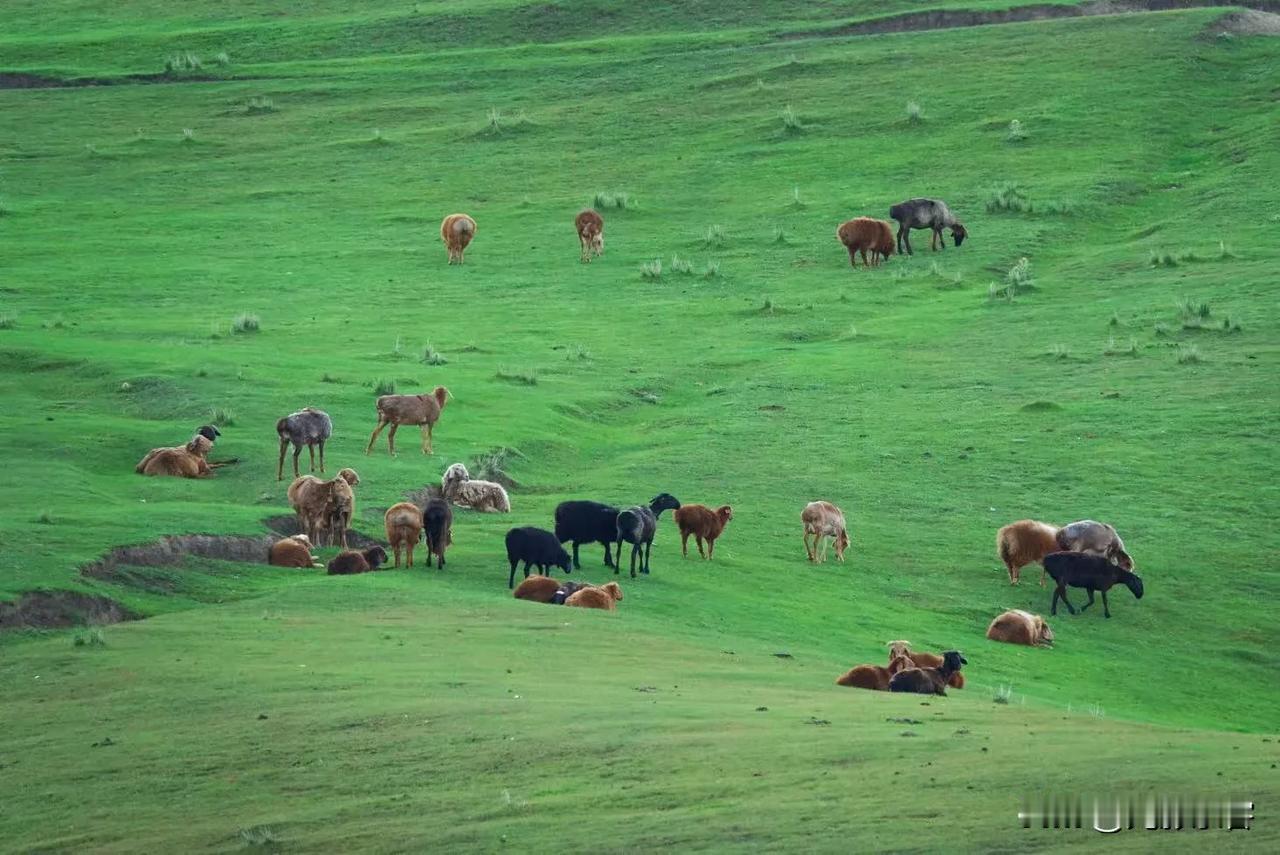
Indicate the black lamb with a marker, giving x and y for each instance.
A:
(1088, 571)
(637, 525)
(587, 522)
(535, 546)
(928, 681)
(349, 562)
(437, 527)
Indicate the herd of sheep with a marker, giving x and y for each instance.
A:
(1085, 554)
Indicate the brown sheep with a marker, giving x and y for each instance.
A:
(340, 510)
(319, 504)
(704, 524)
(457, 231)
(1025, 542)
(540, 589)
(864, 233)
(292, 552)
(184, 461)
(396, 410)
(350, 562)
(902, 650)
(590, 227)
(404, 527)
(1018, 627)
(821, 520)
(604, 597)
(872, 677)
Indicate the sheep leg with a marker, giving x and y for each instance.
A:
(635, 549)
(284, 443)
(376, 430)
(577, 565)
(426, 439)
(1062, 592)
(527, 565)
(511, 580)
(391, 439)
(311, 449)
(617, 562)
(684, 543)
(321, 444)
(711, 548)
(608, 559)
(1106, 609)
(409, 548)
(904, 235)
(395, 547)
(698, 538)
(863, 252)
(1090, 602)
(297, 450)
(648, 548)
(808, 550)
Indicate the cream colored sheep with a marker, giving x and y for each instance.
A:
(460, 489)
(292, 551)
(604, 597)
(822, 520)
(1018, 627)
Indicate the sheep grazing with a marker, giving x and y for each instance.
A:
(605, 597)
(590, 226)
(929, 214)
(539, 589)
(309, 427)
(1018, 627)
(1025, 542)
(1091, 572)
(874, 677)
(318, 503)
(703, 524)
(637, 525)
(351, 562)
(397, 410)
(404, 524)
(457, 231)
(863, 234)
(582, 521)
(822, 520)
(437, 523)
(183, 461)
(902, 650)
(1093, 537)
(292, 551)
(535, 547)
(462, 490)
(929, 681)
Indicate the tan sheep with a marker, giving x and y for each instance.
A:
(590, 226)
(396, 410)
(457, 232)
(604, 597)
(462, 490)
(1025, 542)
(822, 520)
(1018, 627)
(184, 461)
(292, 551)
(404, 527)
(872, 677)
(864, 233)
(324, 505)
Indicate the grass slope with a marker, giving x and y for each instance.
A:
(930, 411)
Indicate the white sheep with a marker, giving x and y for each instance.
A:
(461, 490)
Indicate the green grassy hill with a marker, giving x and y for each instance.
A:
(1127, 375)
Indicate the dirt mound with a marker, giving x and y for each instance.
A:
(174, 550)
(942, 19)
(58, 609)
(1246, 23)
(287, 525)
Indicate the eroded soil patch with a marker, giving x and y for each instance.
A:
(59, 609)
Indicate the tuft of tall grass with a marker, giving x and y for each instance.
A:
(651, 270)
(182, 61)
(1007, 197)
(578, 352)
(621, 201)
(790, 121)
(915, 113)
(1016, 132)
(245, 323)
(1230, 325)
(431, 356)
(780, 236)
(259, 835)
(1115, 349)
(377, 138)
(91, 638)
(1163, 330)
(1115, 320)
(1059, 351)
(525, 377)
(259, 104)
(329, 378)
(384, 387)
(1189, 308)
(221, 417)
(715, 238)
(8, 322)
(796, 202)
(1163, 259)
(768, 306)
(681, 265)
(712, 270)
(188, 135)
(45, 518)
(222, 58)
(1188, 354)
(1002, 694)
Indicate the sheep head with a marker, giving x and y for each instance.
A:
(377, 556)
(302, 539)
(952, 660)
(350, 476)
(899, 650)
(958, 233)
(842, 543)
(1133, 583)
(1044, 635)
(725, 512)
(1121, 559)
(199, 445)
(613, 590)
(664, 502)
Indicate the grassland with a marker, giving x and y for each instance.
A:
(427, 710)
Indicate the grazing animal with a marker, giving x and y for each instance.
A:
(309, 427)
(539, 589)
(535, 547)
(350, 562)
(292, 551)
(637, 526)
(604, 597)
(583, 521)
(863, 234)
(1091, 572)
(1025, 542)
(902, 650)
(590, 227)
(397, 410)
(437, 523)
(462, 490)
(457, 232)
(1018, 627)
(929, 214)
(404, 526)
(1094, 537)
(929, 681)
(317, 503)
(704, 524)
(183, 461)
(874, 677)
(822, 520)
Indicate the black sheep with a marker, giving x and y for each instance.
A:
(209, 432)
(534, 546)
(637, 525)
(928, 681)
(587, 522)
(437, 528)
(350, 562)
(1088, 571)
(566, 590)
